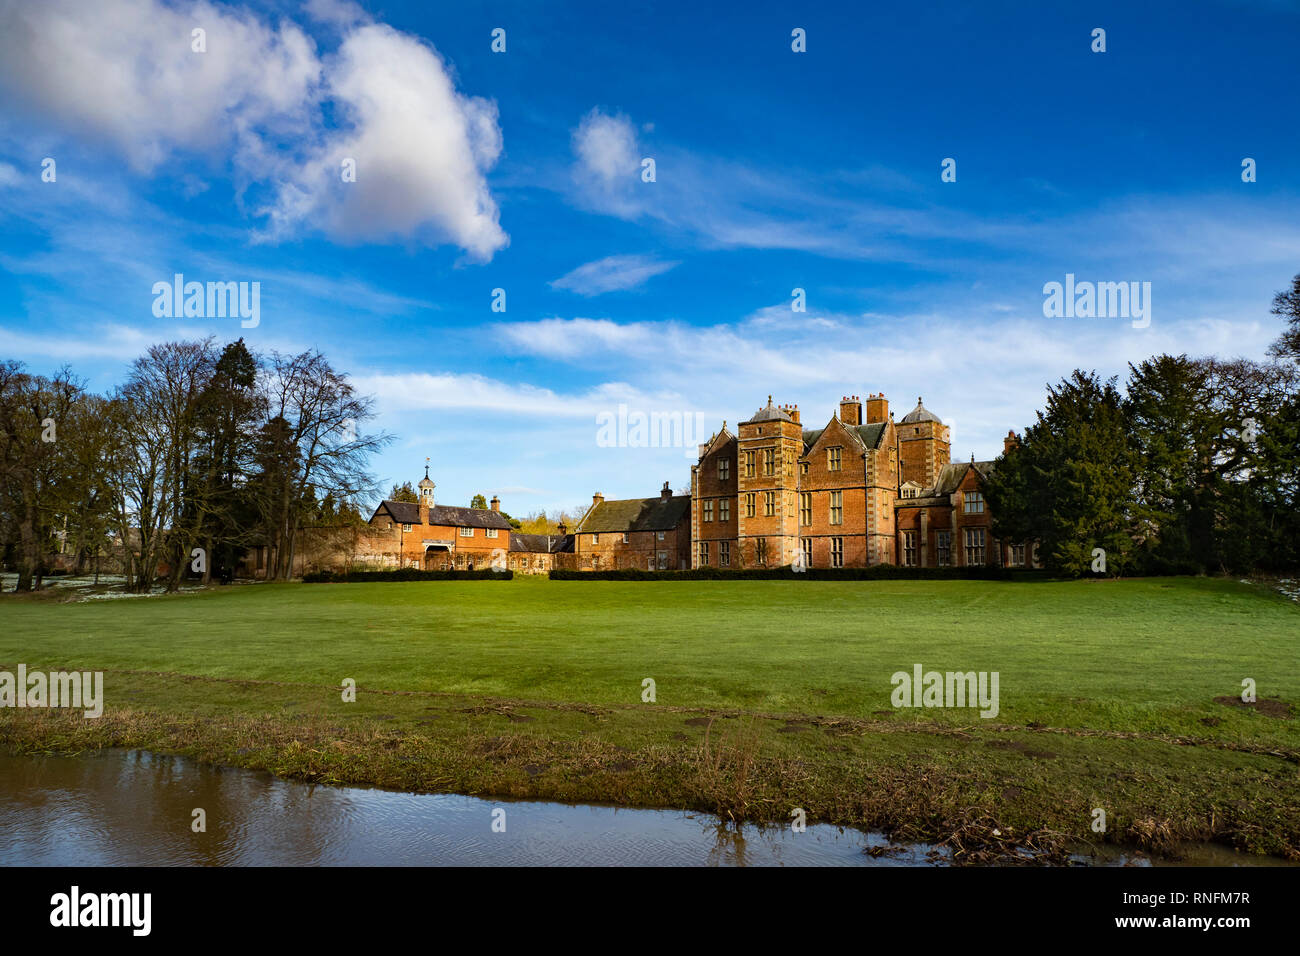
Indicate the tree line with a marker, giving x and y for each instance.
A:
(201, 453)
(1194, 468)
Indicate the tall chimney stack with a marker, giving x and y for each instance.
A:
(1010, 442)
(496, 504)
(877, 408)
(851, 410)
(666, 492)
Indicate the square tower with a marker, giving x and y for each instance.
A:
(768, 448)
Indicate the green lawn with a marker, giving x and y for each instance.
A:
(1107, 695)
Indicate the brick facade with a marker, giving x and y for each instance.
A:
(859, 491)
(845, 495)
(646, 533)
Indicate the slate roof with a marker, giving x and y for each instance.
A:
(541, 543)
(919, 414)
(769, 414)
(951, 475)
(950, 479)
(636, 514)
(408, 512)
(869, 435)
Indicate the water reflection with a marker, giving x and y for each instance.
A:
(130, 808)
(133, 808)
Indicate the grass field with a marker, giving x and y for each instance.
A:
(770, 695)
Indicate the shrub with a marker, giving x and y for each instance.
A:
(404, 574)
(877, 572)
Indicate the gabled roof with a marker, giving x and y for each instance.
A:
(408, 512)
(636, 514)
(720, 438)
(952, 475)
(541, 543)
(950, 478)
(869, 435)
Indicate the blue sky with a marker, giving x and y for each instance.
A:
(521, 170)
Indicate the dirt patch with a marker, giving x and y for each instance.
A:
(518, 718)
(698, 721)
(1020, 747)
(793, 727)
(679, 736)
(1269, 707)
(1211, 721)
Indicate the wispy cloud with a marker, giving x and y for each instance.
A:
(613, 274)
(982, 375)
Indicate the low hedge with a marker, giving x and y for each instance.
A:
(405, 574)
(877, 572)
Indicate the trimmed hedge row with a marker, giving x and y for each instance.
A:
(405, 574)
(877, 572)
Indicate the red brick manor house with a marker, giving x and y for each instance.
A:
(860, 490)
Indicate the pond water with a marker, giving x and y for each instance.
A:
(133, 808)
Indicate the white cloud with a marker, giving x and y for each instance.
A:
(122, 73)
(982, 376)
(420, 148)
(117, 342)
(416, 391)
(612, 274)
(338, 13)
(606, 147)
